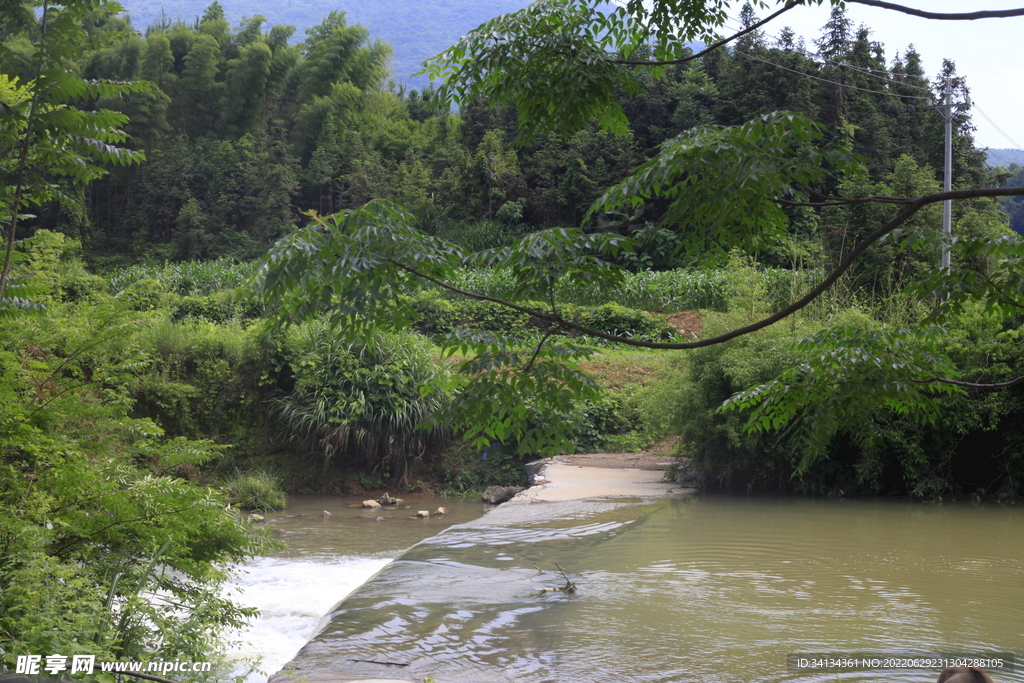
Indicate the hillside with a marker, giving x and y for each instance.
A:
(416, 30)
(1005, 157)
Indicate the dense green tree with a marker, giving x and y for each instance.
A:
(336, 52)
(241, 109)
(94, 516)
(45, 134)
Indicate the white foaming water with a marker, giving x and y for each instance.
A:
(292, 595)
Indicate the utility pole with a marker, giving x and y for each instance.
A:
(948, 109)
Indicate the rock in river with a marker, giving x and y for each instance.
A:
(499, 494)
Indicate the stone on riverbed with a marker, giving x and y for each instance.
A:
(371, 504)
(423, 513)
(499, 494)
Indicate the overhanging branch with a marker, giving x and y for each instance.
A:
(972, 385)
(847, 202)
(956, 16)
(912, 207)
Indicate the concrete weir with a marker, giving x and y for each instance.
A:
(448, 609)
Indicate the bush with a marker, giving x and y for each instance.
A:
(435, 314)
(256, 490)
(189, 278)
(439, 316)
(613, 423)
(728, 457)
(682, 289)
(491, 317)
(886, 452)
(203, 380)
(366, 402)
(464, 471)
(483, 234)
(219, 307)
(95, 519)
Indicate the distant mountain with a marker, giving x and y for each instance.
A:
(1005, 157)
(416, 30)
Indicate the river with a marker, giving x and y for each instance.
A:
(323, 560)
(711, 589)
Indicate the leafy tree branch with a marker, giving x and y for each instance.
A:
(709, 48)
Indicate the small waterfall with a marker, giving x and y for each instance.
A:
(292, 595)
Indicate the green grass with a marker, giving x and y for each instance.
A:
(615, 368)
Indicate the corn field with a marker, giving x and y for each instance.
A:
(189, 278)
(682, 289)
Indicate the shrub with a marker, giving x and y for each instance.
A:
(886, 452)
(256, 490)
(94, 519)
(727, 456)
(491, 317)
(217, 307)
(483, 234)
(435, 314)
(612, 423)
(365, 401)
(464, 471)
(682, 289)
(203, 380)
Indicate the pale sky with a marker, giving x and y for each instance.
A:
(989, 52)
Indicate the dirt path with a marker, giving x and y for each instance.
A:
(633, 461)
(654, 458)
(590, 475)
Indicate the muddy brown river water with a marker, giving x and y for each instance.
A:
(707, 589)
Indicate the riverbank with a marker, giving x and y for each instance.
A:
(390, 629)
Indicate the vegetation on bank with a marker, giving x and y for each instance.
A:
(201, 364)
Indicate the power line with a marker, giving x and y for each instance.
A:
(825, 80)
(993, 124)
(866, 71)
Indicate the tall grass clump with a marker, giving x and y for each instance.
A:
(256, 490)
(362, 402)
